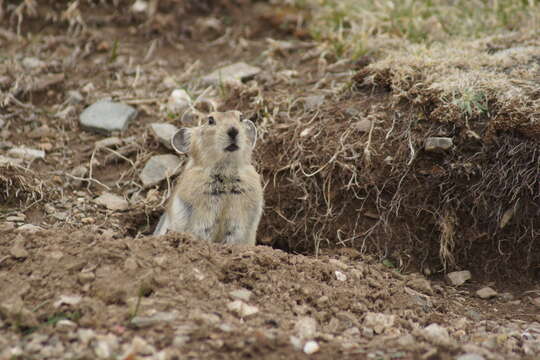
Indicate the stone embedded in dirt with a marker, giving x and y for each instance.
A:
(436, 334)
(241, 294)
(178, 101)
(163, 132)
(112, 202)
(139, 346)
(306, 327)
(70, 300)
(470, 357)
(340, 276)
(363, 125)
(231, 73)
(457, 278)
(437, 144)
(158, 168)
(65, 325)
(379, 322)
(110, 142)
(486, 293)
(17, 250)
(157, 318)
(74, 97)
(26, 153)
(105, 116)
(29, 228)
(311, 347)
(32, 62)
(86, 277)
(241, 308)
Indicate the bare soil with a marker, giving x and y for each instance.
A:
(120, 274)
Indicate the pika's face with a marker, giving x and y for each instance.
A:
(222, 136)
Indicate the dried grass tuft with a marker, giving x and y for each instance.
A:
(20, 186)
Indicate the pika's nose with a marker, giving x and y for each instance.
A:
(232, 132)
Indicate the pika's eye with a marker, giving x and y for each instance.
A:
(211, 120)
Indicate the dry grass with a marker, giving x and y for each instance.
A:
(21, 187)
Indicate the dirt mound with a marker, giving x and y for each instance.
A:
(177, 294)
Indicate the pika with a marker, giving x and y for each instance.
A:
(218, 197)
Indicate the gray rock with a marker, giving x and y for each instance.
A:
(457, 278)
(311, 347)
(74, 97)
(231, 73)
(241, 294)
(437, 144)
(436, 334)
(106, 116)
(26, 153)
(179, 101)
(112, 202)
(306, 328)
(470, 356)
(158, 168)
(486, 293)
(163, 132)
(157, 318)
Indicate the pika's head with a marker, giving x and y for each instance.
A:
(222, 136)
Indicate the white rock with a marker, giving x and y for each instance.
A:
(306, 327)
(112, 202)
(436, 334)
(29, 228)
(242, 309)
(438, 144)
(379, 322)
(241, 294)
(86, 335)
(158, 168)
(340, 276)
(470, 357)
(231, 73)
(179, 101)
(26, 153)
(486, 293)
(65, 325)
(157, 318)
(139, 6)
(163, 132)
(74, 97)
(311, 347)
(105, 116)
(457, 278)
(71, 300)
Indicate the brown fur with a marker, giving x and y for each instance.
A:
(218, 197)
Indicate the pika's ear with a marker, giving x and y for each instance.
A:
(251, 131)
(181, 140)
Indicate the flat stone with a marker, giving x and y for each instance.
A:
(112, 202)
(158, 168)
(231, 73)
(179, 100)
(486, 293)
(105, 116)
(163, 132)
(26, 153)
(457, 278)
(157, 318)
(241, 294)
(437, 144)
(470, 356)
